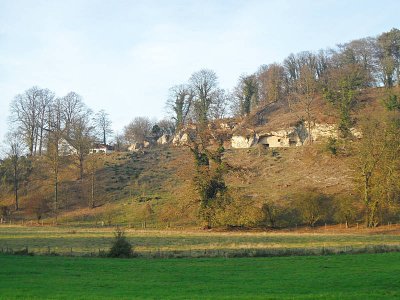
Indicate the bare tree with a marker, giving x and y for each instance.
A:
(55, 134)
(24, 112)
(302, 99)
(16, 165)
(93, 165)
(72, 109)
(119, 142)
(103, 125)
(204, 84)
(271, 82)
(81, 138)
(138, 130)
(45, 101)
(219, 107)
(167, 126)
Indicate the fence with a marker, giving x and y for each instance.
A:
(208, 253)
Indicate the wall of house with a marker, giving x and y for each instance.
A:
(273, 141)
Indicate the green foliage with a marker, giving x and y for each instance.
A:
(271, 213)
(378, 154)
(312, 206)
(209, 181)
(156, 131)
(346, 210)
(342, 89)
(4, 211)
(121, 247)
(249, 94)
(332, 145)
(392, 102)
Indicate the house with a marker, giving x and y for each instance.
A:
(277, 139)
(65, 148)
(101, 148)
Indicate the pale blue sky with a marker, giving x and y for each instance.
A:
(122, 56)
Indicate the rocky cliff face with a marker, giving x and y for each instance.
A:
(240, 141)
(292, 136)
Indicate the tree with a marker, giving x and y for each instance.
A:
(179, 103)
(103, 125)
(24, 112)
(72, 109)
(342, 88)
(218, 109)
(167, 126)
(55, 134)
(362, 52)
(378, 155)
(271, 81)
(16, 167)
(94, 163)
(119, 142)
(345, 210)
(204, 84)
(389, 57)
(121, 247)
(46, 99)
(29, 113)
(138, 130)
(303, 97)
(246, 93)
(209, 179)
(311, 205)
(81, 138)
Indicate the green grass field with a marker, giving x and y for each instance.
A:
(364, 276)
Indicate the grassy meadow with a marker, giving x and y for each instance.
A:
(363, 276)
(79, 241)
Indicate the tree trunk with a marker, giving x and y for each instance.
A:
(16, 183)
(367, 199)
(56, 193)
(41, 141)
(92, 194)
(16, 194)
(81, 168)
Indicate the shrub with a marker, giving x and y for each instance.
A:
(312, 206)
(121, 247)
(332, 146)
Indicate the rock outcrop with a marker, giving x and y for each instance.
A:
(293, 136)
(164, 139)
(240, 141)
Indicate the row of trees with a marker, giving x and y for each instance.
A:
(40, 124)
(336, 74)
(37, 113)
(199, 100)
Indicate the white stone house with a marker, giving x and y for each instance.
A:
(65, 148)
(101, 148)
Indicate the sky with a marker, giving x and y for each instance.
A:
(124, 55)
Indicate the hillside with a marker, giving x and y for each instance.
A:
(154, 187)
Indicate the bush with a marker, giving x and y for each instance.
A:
(332, 146)
(121, 248)
(312, 206)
